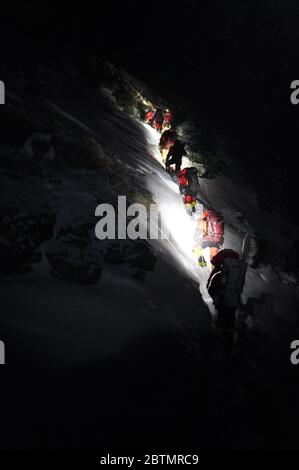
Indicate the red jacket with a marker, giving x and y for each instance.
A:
(182, 176)
(212, 225)
(167, 118)
(149, 116)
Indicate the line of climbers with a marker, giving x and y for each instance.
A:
(227, 277)
(159, 119)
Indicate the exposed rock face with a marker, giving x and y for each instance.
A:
(138, 255)
(22, 233)
(26, 218)
(55, 172)
(71, 263)
(78, 152)
(71, 254)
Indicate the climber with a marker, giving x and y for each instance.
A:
(167, 140)
(209, 234)
(149, 117)
(168, 120)
(175, 155)
(158, 120)
(225, 286)
(189, 187)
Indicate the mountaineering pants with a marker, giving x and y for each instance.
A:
(226, 317)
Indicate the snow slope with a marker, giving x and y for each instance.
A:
(124, 330)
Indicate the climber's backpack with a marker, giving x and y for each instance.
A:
(188, 177)
(233, 274)
(193, 183)
(215, 226)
